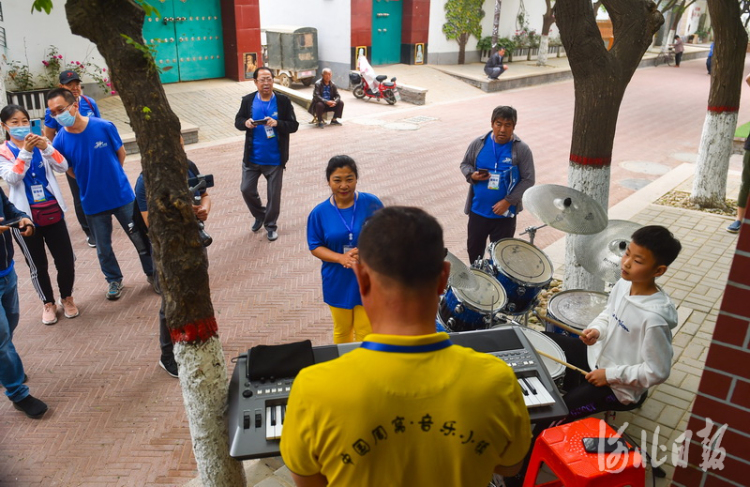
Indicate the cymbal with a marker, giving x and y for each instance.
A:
(460, 276)
(600, 254)
(566, 209)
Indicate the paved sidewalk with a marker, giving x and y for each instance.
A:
(695, 282)
(116, 419)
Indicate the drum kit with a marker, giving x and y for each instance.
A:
(505, 287)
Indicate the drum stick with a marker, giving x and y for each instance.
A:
(560, 324)
(562, 362)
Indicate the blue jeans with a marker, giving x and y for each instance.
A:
(11, 368)
(101, 227)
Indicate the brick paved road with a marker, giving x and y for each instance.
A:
(117, 419)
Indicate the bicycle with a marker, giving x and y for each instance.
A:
(665, 58)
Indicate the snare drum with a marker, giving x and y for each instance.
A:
(576, 308)
(523, 270)
(472, 309)
(547, 345)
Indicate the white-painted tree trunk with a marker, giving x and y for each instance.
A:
(3, 94)
(712, 166)
(203, 378)
(594, 181)
(669, 40)
(541, 59)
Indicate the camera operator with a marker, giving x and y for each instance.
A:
(167, 361)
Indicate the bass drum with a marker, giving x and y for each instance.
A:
(576, 308)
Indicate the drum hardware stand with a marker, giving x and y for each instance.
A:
(532, 232)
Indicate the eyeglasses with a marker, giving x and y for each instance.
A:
(265, 80)
(57, 113)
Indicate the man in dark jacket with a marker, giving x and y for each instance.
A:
(326, 99)
(267, 119)
(12, 376)
(495, 67)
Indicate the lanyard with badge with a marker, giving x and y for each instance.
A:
(37, 188)
(494, 181)
(270, 134)
(349, 226)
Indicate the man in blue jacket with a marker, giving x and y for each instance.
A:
(267, 119)
(12, 376)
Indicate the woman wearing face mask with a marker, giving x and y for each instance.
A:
(27, 162)
(333, 229)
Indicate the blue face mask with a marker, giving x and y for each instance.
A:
(66, 119)
(19, 133)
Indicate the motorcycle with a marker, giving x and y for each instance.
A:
(385, 90)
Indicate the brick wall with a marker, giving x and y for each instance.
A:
(724, 391)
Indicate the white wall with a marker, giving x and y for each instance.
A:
(30, 35)
(443, 51)
(332, 18)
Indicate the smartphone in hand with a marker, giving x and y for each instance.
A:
(260, 122)
(36, 126)
(483, 172)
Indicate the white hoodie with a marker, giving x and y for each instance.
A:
(635, 341)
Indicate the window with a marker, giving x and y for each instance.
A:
(2, 38)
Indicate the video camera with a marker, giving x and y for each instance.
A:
(201, 181)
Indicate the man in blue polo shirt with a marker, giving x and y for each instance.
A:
(95, 153)
(71, 81)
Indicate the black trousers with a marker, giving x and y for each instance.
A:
(321, 108)
(678, 58)
(80, 215)
(58, 241)
(481, 227)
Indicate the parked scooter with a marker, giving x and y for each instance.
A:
(366, 84)
(385, 90)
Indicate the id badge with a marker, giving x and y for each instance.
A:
(347, 248)
(37, 192)
(494, 181)
(270, 134)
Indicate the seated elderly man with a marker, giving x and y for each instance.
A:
(326, 99)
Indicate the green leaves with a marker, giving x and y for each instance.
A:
(463, 17)
(42, 5)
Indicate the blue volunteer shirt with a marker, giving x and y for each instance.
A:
(92, 155)
(497, 159)
(86, 105)
(265, 150)
(326, 227)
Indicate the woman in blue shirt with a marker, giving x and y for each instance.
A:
(28, 163)
(333, 229)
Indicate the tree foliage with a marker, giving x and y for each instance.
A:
(463, 19)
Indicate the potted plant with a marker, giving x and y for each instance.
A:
(30, 91)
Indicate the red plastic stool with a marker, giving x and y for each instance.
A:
(561, 448)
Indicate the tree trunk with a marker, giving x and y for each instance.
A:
(547, 20)
(541, 58)
(600, 78)
(495, 27)
(181, 260)
(709, 183)
(3, 93)
(462, 40)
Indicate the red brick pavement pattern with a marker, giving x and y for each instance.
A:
(116, 419)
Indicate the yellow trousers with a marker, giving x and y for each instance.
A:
(346, 321)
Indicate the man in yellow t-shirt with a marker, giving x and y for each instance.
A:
(407, 408)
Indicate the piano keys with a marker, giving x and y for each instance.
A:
(257, 407)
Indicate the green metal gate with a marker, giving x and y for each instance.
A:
(386, 31)
(187, 38)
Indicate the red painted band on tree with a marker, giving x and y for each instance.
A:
(199, 331)
(591, 161)
(723, 109)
